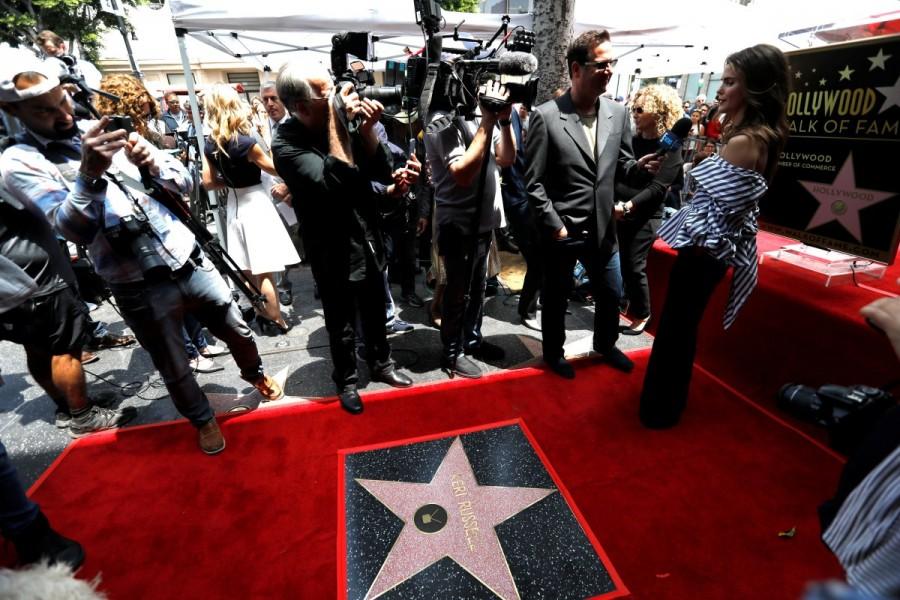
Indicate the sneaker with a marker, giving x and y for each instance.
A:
(212, 351)
(100, 419)
(398, 326)
(201, 364)
(617, 359)
(88, 357)
(210, 438)
(268, 389)
(461, 366)
(104, 399)
(412, 299)
(110, 341)
(487, 351)
(38, 541)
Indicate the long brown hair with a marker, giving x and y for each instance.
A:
(766, 81)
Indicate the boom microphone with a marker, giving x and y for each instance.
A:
(517, 63)
(674, 138)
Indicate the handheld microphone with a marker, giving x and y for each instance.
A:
(674, 138)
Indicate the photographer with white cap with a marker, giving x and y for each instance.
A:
(154, 266)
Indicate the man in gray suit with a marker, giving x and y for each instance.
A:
(577, 145)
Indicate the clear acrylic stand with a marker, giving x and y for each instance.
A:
(835, 268)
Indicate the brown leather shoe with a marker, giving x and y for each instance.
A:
(268, 388)
(210, 437)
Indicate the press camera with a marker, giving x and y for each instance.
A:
(847, 412)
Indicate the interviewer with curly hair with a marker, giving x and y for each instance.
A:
(639, 210)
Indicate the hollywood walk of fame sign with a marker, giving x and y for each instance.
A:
(837, 184)
(470, 514)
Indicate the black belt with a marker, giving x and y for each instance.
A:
(194, 260)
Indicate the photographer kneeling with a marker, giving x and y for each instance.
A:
(329, 176)
(151, 260)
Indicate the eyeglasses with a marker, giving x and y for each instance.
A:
(601, 64)
(637, 110)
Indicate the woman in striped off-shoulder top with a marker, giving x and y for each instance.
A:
(717, 230)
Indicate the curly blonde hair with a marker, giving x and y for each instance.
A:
(663, 101)
(227, 115)
(132, 96)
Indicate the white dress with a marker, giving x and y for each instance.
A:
(255, 234)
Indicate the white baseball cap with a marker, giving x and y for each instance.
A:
(14, 62)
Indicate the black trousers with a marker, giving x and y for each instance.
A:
(461, 321)
(400, 244)
(606, 282)
(635, 241)
(525, 232)
(341, 299)
(691, 284)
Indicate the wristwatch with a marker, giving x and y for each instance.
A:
(504, 122)
(93, 184)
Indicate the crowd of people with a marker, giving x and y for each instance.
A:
(579, 182)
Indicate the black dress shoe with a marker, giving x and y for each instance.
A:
(461, 366)
(487, 351)
(392, 377)
(561, 367)
(350, 400)
(617, 359)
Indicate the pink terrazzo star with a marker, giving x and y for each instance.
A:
(468, 536)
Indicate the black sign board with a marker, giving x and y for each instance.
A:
(838, 180)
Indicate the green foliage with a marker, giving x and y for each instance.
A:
(73, 20)
(468, 6)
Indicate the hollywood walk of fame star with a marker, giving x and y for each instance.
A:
(891, 95)
(841, 200)
(468, 536)
(846, 73)
(878, 60)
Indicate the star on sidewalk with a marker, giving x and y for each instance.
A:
(841, 200)
(878, 60)
(891, 95)
(845, 74)
(452, 516)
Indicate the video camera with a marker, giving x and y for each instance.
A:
(454, 85)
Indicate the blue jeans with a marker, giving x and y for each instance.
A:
(16, 510)
(606, 284)
(155, 312)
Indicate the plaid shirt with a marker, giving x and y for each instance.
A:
(82, 216)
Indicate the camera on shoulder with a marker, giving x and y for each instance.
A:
(131, 237)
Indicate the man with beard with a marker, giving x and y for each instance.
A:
(154, 266)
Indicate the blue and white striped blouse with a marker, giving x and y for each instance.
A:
(722, 219)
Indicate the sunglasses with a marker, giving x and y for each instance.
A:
(602, 64)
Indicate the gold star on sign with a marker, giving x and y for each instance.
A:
(822, 82)
(879, 59)
(798, 74)
(845, 74)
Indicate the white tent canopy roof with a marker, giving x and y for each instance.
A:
(659, 37)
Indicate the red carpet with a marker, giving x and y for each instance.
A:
(688, 513)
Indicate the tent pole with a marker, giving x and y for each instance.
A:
(198, 124)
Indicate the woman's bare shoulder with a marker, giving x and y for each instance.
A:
(744, 151)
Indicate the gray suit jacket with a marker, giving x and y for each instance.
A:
(567, 184)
